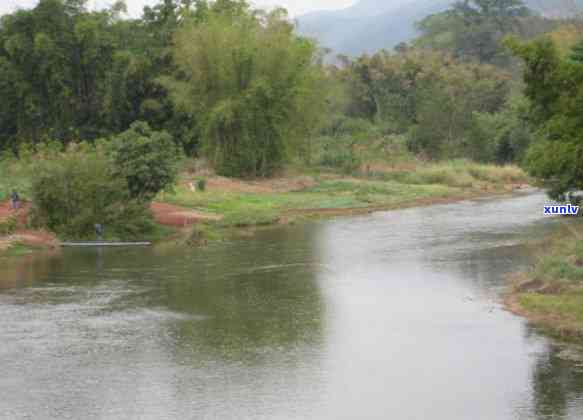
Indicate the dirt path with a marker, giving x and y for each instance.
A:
(170, 215)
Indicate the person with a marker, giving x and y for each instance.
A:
(14, 197)
(99, 231)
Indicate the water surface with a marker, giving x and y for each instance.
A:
(388, 316)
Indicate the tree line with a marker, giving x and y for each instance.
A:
(224, 80)
(240, 87)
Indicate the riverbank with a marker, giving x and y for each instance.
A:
(195, 216)
(550, 295)
(227, 205)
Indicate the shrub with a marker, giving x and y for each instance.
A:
(338, 153)
(148, 160)
(77, 190)
(201, 185)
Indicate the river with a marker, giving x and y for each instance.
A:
(394, 315)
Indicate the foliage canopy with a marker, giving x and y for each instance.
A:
(554, 85)
(251, 84)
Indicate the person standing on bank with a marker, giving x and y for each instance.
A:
(99, 231)
(15, 199)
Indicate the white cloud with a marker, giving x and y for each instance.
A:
(295, 7)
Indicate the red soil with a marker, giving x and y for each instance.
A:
(169, 215)
(22, 235)
(22, 213)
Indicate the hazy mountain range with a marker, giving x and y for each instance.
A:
(370, 25)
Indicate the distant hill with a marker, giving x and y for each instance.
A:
(368, 26)
(371, 25)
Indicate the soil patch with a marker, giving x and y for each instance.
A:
(6, 211)
(176, 216)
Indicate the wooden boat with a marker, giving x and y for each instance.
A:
(103, 243)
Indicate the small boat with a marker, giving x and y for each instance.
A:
(103, 243)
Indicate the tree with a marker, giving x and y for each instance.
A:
(429, 95)
(473, 29)
(554, 86)
(502, 137)
(68, 73)
(252, 84)
(147, 160)
(74, 190)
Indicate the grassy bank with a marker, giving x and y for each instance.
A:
(313, 193)
(551, 293)
(300, 193)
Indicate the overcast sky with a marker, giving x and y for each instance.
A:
(295, 7)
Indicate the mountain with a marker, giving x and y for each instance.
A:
(368, 26)
(371, 25)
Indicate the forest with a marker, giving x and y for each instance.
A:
(489, 81)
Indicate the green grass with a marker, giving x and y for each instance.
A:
(556, 303)
(566, 307)
(390, 189)
(558, 267)
(246, 209)
(561, 256)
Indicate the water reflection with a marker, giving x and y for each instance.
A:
(198, 329)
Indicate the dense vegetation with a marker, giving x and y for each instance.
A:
(242, 88)
(252, 85)
(554, 86)
(123, 98)
(82, 185)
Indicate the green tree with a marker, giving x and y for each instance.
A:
(473, 29)
(504, 136)
(554, 86)
(68, 73)
(252, 84)
(74, 190)
(147, 160)
(427, 94)
(577, 53)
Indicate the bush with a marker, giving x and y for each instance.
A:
(338, 153)
(201, 185)
(353, 127)
(77, 190)
(148, 160)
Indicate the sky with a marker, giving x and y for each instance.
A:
(295, 7)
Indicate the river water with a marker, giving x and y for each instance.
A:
(388, 316)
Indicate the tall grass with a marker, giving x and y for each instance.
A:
(459, 174)
(562, 256)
